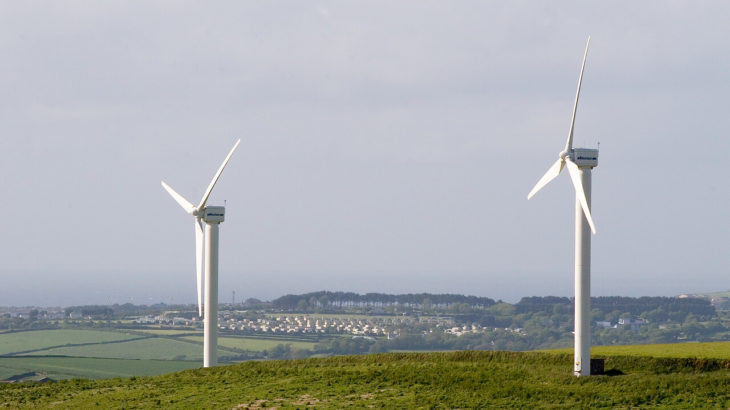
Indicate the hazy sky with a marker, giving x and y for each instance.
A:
(387, 146)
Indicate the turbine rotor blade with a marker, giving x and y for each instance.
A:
(199, 262)
(187, 206)
(217, 175)
(580, 192)
(549, 176)
(569, 143)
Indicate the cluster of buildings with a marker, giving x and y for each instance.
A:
(466, 329)
(375, 326)
(302, 324)
(474, 328)
(167, 320)
(633, 323)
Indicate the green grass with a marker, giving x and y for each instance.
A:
(165, 332)
(81, 367)
(252, 344)
(161, 348)
(40, 339)
(709, 350)
(403, 380)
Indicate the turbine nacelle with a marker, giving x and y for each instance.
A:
(214, 214)
(585, 157)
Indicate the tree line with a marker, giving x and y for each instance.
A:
(338, 300)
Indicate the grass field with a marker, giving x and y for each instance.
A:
(161, 348)
(410, 380)
(99, 354)
(166, 332)
(80, 367)
(252, 344)
(41, 339)
(710, 350)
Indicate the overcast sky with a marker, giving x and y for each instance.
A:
(386, 146)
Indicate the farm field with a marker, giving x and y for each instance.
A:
(252, 344)
(161, 348)
(92, 368)
(81, 353)
(14, 342)
(165, 344)
(465, 379)
(707, 350)
(166, 332)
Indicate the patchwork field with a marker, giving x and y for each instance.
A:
(68, 353)
(28, 341)
(148, 348)
(81, 353)
(164, 344)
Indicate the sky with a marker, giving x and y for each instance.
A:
(386, 147)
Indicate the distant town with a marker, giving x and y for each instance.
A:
(386, 322)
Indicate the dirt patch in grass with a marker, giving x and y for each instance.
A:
(306, 400)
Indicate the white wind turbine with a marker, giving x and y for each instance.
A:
(206, 259)
(580, 162)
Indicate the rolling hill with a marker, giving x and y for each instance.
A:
(465, 379)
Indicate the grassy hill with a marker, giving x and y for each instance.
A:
(706, 350)
(403, 380)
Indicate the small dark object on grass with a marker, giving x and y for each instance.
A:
(597, 366)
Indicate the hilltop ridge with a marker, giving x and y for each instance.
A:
(464, 379)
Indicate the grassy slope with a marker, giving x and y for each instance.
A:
(410, 380)
(708, 350)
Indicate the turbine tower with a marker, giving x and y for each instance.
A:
(580, 162)
(206, 259)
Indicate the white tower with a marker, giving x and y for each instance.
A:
(585, 159)
(212, 216)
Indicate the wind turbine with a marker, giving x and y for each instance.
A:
(580, 162)
(206, 259)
